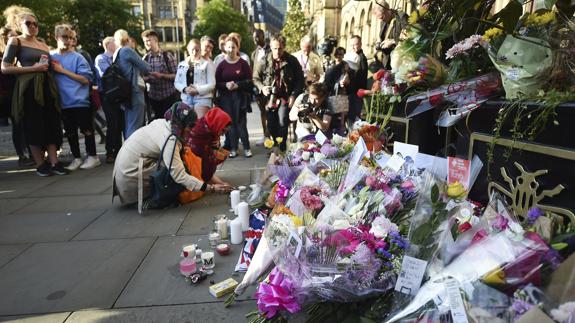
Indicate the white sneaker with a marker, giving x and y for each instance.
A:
(91, 162)
(248, 153)
(75, 164)
(233, 154)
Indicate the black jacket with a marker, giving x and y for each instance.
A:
(359, 81)
(291, 74)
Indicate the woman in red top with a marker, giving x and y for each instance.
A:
(204, 140)
(234, 84)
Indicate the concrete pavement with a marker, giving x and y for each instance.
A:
(68, 254)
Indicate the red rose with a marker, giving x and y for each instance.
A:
(363, 92)
(464, 227)
(436, 99)
(379, 74)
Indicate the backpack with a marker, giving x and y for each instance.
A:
(117, 89)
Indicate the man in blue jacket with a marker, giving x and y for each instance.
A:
(73, 76)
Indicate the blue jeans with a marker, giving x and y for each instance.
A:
(134, 113)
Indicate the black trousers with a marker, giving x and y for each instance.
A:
(161, 106)
(278, 122)
(81, 117)
(114, 126)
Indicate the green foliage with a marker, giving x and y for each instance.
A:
(295, 27)
(217, 17)
(93, 20)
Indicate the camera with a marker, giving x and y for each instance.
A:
(307, 108)
(326, 48)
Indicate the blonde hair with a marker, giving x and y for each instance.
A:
(236, 36)
(107, 41)
(62, 29)
(15, 14)
(121, 36)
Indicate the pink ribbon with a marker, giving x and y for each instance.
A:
(276, 295)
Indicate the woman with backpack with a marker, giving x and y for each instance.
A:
(132, 66)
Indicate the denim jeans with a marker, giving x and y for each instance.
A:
(134, 113)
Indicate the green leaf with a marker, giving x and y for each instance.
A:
(422, 233)
(392, 99)
(454, 231)
(435, 193)
(559, 246)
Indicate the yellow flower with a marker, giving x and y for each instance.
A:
(495, 277)
(297, 221)
(492, 33)
(456, 190)
(279, 140)
(268, 143)
(542, 19)
(415, 15)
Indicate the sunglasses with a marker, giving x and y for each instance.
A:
(31, 23)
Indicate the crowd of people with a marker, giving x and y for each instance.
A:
(49, 94)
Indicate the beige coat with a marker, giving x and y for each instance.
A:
(146, 144)
(311, 65)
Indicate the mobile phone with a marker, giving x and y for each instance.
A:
(43, 59)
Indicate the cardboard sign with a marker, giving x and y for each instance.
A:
(410, 276)
(405, 150)
(320, 137)
(458, 170)
(359, 150)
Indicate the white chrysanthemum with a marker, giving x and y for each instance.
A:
(382, 226)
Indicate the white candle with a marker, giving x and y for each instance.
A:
(236, 231)
(189, 251)
(234, 199)
(222, 225)
(244, 215)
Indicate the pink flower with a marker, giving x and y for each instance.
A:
(478, 236)
(277, 295)
(500, 223)
(363, 92)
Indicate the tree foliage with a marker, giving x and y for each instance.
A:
(295, 27)
(93, 20)
(217, 17)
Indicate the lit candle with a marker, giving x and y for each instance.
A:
(189, 251)
(236, 231)
(222, 225)
(244, 215)
(235, 199)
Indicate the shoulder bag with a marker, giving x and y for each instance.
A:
(164, 190)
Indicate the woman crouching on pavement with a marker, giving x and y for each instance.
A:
(138, 157)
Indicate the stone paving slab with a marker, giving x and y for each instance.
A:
(39, 318)
(44, 227)
(9, 252)
(8, 206)
(23, 188)
(69, 203)
(200, 220)
(67, 276)
(160, 272)
(192, 313)
(124, 222)
(74, 185)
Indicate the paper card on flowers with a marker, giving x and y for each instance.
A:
(409, 279)
(320, 137)
(455, 302)
(395, 163)
(359, 151)
(295, 241)
(406, 150)
(458, 171)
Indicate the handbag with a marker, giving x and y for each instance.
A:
(164, 190)
(339, 102)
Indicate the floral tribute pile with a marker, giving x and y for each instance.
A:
(346, 222)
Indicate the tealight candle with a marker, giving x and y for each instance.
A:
(241, 188)
(244, 215)
(187, 266)
(189, 251)
(208, 261)
(236, 231)
(223, 249)
(214, 237)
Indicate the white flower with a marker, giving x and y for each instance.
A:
(318, 157)
(311, 146)
(564, 313)
(341, 224)
(515, 231)
(306, 155)
(382, 226)
(337, 139)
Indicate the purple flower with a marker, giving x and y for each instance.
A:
(533, 214)
(328, 150)
(520, 307)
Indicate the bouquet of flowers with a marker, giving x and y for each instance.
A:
(468, 58)
(427, 72)
(372, 134)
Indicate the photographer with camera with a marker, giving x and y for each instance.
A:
(312, 112)
(280, 79)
